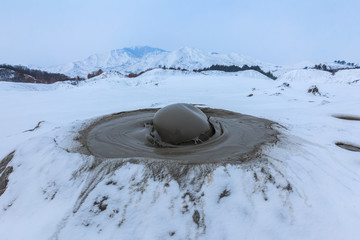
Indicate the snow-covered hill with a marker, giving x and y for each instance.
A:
(137, 59)
(303, 187)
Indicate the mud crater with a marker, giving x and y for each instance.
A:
(231, 137)
(129, 138)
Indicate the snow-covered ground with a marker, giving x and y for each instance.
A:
(305, 187)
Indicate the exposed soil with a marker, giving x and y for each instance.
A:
(314, 90)
(225, 193)
(348, 146)
(5, 171)
(196, 217)
(347, 117)
(36, 127)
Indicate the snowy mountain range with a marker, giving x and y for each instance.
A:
(137, 59)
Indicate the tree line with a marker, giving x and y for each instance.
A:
(234, 68)
(324, 67)
(342, 62)
(24, 74)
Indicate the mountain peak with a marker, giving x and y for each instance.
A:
(190, 50)
(140, 51)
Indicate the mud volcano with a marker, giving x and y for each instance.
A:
(180, 124)
(179, 132)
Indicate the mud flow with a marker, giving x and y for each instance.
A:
(216, 136)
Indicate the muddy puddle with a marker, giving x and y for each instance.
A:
(235, 138)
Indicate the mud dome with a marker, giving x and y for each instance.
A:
(236, 137)
(181, 123)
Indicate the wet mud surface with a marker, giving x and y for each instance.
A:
(127, 169)
(348, 147)
(180, 124)
(236, 138)
(347, 117)
(123, 138)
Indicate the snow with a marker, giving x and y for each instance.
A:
(45, 194)
(6, 74)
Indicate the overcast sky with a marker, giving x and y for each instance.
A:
(44, 32)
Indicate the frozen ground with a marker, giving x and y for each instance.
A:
(304, 187)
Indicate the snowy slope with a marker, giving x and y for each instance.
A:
(118, 59)
(137, 59)
(305, 187)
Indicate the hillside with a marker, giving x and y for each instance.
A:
(9, 73)
(304, 185)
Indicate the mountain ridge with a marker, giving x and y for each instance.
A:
(140, 58)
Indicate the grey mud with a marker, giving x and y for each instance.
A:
(235, 138)
(130, 137)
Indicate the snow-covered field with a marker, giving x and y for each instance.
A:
(305, 187)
